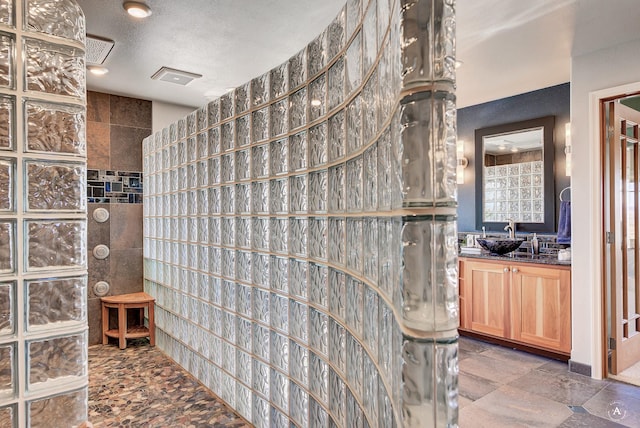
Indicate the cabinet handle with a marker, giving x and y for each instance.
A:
(515, 270)
(506, 269)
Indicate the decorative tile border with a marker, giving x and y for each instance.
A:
(121, 187)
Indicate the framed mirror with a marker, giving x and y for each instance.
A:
(514, 176)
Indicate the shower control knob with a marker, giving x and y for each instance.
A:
(101, 252)
(101, 288)
(100, 215)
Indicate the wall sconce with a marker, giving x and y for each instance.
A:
(567, 149)
(462, 162)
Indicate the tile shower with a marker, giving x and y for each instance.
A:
(43, 333)
(300, 231)
(116, 126)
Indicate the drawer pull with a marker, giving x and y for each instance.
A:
(515, 270)
(506, 269)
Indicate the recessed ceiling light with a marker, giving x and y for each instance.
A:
(316, 103)
(97, 70)
(137, 9)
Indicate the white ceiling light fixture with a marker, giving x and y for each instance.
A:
(137, 9)
(97, 70)
(171, 75)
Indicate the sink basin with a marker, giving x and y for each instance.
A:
(499, 246)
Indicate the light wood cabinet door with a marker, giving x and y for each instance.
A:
(541, 306)
(486, 298)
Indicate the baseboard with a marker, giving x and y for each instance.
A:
(580, 368)
(516, 345)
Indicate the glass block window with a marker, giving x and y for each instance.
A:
(515, 192)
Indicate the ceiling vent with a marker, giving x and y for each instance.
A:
(172, 75)
(97, 49)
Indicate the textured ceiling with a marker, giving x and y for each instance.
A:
(507, 47)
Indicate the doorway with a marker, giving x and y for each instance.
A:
(620, 119)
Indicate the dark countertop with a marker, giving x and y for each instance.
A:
(521, 257)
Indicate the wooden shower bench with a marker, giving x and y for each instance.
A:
(122, 303)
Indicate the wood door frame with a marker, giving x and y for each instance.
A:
(597, 123)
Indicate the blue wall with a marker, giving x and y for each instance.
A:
(544, 102)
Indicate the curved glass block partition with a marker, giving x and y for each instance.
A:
(300, 231)
(43, 277)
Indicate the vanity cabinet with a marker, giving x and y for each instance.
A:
(521, 302)
(486, 295)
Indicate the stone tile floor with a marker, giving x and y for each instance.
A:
(630, 375)
(499, 387)
(141, 387)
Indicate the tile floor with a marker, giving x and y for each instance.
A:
(630, 375)
(499, 387)
(141, 387)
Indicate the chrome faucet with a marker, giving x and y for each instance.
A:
(511, 228)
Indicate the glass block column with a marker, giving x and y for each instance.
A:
(43, 333)
(300, 231)
(429, 278)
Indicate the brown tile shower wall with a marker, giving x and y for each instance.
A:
(116, 127)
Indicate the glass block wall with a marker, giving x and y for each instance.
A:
(300, 231)
(43, 358)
